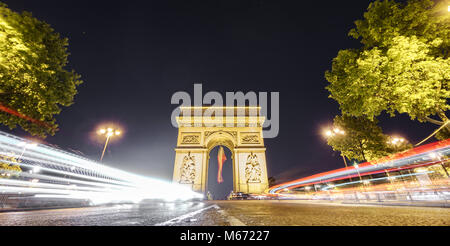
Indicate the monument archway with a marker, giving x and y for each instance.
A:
(237, 128)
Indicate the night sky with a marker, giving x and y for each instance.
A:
(134, 55)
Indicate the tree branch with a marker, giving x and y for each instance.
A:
(444, 118)
(431, 120)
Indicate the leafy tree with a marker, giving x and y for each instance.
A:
(7, 169)
(443, 134)
(362, 139)
(34, 80)
(403, 65)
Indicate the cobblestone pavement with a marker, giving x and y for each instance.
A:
(118, 215)
(224, 213)
(293, 213)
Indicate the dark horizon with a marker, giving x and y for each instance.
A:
(132, 57)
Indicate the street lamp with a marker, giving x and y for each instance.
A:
(108, 132)
(335, 132)
(396, 140)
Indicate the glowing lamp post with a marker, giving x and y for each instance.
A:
(396, 141)
(332, 133)
(108, 132)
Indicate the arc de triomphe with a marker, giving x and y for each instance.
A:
(200, 129)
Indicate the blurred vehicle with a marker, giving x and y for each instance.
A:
(239, 196)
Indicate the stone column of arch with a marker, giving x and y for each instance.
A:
(198, 135)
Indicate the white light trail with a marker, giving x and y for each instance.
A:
(52, 173)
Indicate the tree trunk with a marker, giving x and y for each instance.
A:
(362, 151)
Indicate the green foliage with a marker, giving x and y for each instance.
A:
(362, 139)
(403, 65)
(7, 169)
(387, 19)
(443, 134)
(33, 77)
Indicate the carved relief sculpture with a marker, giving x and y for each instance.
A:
(231, 133)
(191, 139)
(250, 139)
(252, 169)
(188, 170)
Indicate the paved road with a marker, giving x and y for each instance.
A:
(296, 213)
(233, 213)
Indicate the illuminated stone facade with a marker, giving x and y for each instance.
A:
(237, 128)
